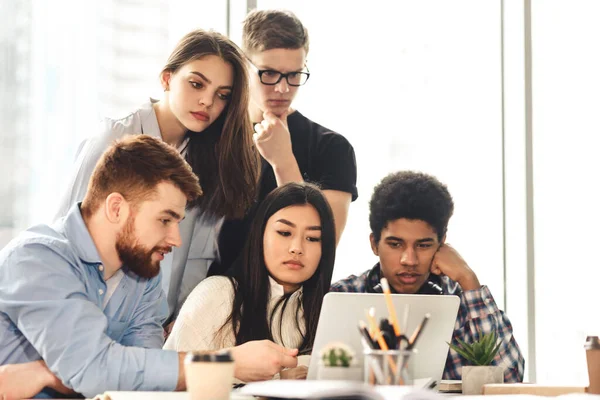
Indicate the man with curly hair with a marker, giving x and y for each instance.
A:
(409, 215)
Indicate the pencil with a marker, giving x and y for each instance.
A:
(417, 332)
(375, 370)
(372, 322)
(390, 305)
(378, 337)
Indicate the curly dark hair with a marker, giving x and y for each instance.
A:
(411, 195)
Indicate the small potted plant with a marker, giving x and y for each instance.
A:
(337, 362)
(479, 354)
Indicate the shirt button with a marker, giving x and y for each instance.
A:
(100, 291)
(101, 267)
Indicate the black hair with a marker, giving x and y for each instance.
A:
(410, 195)
(250, 276)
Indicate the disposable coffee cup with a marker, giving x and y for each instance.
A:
(592, 351)
(209, 375)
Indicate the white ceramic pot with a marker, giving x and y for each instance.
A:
(475, 376)
(339, 373)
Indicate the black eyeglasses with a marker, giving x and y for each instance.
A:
(272, 77)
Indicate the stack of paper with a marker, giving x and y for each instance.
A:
(289, 389)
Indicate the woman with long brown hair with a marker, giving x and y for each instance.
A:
(203, 114)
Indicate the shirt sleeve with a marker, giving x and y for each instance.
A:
(479, 314)
(44, 294)
(336, 165)
(145, 328)
(198, 326)
(88, 154)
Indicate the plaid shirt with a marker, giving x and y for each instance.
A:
(477, 312)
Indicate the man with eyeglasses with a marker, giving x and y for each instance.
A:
(293, 147)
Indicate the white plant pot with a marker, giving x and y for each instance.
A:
(475, 376)
(339, 373)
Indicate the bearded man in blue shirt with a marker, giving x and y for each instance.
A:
(81, 304)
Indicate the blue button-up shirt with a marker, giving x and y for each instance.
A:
(51, 293)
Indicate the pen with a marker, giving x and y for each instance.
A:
(362, 327)
(415, 336)
(390, 305)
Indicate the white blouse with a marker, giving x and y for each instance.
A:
(209, 305)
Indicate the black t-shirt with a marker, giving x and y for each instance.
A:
(324, 158)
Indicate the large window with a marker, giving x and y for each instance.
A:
(566, 100)
(66, 64)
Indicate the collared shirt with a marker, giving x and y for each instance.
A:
(186, 265)
(52, 290)
(478, 314)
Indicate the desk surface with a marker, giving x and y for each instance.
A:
(512, 391)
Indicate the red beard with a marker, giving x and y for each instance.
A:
(135, 257)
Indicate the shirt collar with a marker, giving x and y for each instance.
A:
(148, 119)
(150, 126)
(374, 276)
(79, 236)
(277, 289)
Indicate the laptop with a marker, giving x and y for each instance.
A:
(341, 312)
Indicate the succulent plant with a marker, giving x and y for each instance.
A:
(480, 352)
(337, 355)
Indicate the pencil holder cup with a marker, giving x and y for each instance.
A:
(389, 367)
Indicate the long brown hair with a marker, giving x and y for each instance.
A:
(223, 156)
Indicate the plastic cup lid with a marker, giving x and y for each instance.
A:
(592, 342)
